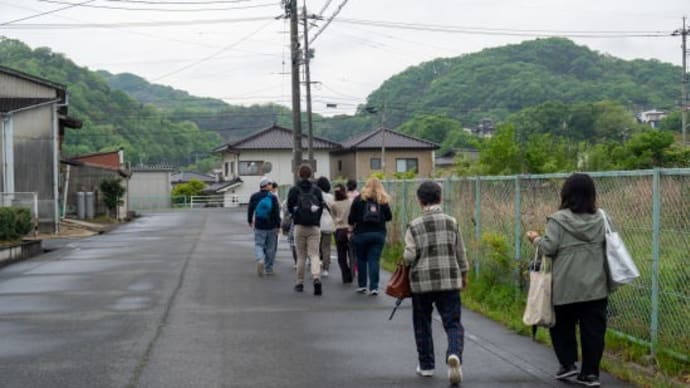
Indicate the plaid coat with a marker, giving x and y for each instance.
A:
(435, 252)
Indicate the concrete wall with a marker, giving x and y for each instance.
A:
(88, 178)
(34, 160)
(425, 161)
(149, 190)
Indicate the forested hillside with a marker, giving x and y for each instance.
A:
(498, 81)
(112, 119)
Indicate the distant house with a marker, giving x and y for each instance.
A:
(33, 118)
(84, 173)
(448, 159)
(267, 152)
(651, 117)
(149, 188)
(360, 156)
(186, 176)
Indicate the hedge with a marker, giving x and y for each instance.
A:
(15, 222)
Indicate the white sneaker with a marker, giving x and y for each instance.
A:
(454, 369)
(373, 292)
(260, 268)
(425, 372)
(361, 290)
(324, 273)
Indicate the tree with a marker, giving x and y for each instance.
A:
(434, 128)
(189, 189)
(112, 193)
(500, 155)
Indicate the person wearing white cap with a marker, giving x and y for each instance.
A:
(263, 214)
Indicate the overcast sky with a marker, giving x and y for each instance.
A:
(245, 61)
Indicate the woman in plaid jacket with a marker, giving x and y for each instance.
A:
(438, 271)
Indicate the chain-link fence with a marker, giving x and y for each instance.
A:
(650, 208)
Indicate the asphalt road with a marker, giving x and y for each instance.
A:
(173, 300)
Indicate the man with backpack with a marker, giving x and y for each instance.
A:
(305, 203)
(263, 214)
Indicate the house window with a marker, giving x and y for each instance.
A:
(227, 169)
(405, 165)
(255, 167)
(340, 165)
(232, 168)
(375, 163)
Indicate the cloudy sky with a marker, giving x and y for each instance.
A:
(237, 50)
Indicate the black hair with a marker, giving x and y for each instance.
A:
(324, 184)
(304, 171)
(429, 193)
(339, 192)
(351, 185)
(579, 194)
(274, 184)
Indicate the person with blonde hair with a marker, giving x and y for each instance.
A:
(367, 219)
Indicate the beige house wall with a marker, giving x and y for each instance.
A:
(348, 164)
(425, 161)
(12, 86)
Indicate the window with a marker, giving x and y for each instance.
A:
(227, 169)
(232, 168)
(340, 165)
(405, 165)
(255, 167)
(375, 163)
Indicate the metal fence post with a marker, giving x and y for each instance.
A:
(446, 195)
(477, 222)
(403, 225)
(518, 229)
(656, 231)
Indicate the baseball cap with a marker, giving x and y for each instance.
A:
(265, 181)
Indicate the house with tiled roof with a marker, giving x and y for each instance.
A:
(268, 152)
(362, 155)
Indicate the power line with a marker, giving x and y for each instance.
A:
(169, 23)
(179, 2)
(160, 9)
(337, 11)
(45, 13)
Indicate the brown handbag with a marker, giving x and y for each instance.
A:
(399, 283)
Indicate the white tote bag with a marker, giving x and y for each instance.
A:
(622, 269)
(539, 309)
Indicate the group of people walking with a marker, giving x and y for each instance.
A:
(438, 266)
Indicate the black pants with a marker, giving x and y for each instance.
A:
(591, 318)
(342, 244)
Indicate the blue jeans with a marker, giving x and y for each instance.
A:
(265, 247)
(448, 305)
(369, 247)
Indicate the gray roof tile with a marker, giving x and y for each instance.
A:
(275, 138)
(374, 140)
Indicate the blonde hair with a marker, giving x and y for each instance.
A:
(373, 190)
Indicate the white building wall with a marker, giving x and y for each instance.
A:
(281, 160)
(149, 190)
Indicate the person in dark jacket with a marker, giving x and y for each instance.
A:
(575, 239)
(305, 203)
(263, 215)
(367, 219)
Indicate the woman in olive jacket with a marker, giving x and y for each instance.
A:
(575, 239)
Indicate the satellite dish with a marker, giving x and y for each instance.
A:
(268, 167)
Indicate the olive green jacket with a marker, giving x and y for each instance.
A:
(577, 244)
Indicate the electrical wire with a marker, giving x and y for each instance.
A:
(169, 23)
(337, 11)
(45, 13)
(179, 2)
(160, 9)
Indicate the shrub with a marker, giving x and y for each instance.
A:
(112, 192)
(14, 223)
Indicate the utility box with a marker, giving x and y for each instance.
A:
(90, 205)
(81, 205)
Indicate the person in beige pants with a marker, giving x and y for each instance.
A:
(305, 203)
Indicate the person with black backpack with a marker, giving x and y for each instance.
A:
(305, 203)
(368, 216)
(263, 215)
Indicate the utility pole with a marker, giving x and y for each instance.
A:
(307, 79)
(291, 10)
(684, 84)
(383, 139)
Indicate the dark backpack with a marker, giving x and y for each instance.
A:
(305, 201)
(372, 212)
(264, 208)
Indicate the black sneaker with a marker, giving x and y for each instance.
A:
(317, 287)
(566, 372)
(299, 287)
(588, 381)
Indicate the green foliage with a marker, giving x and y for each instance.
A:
(434, 128)
(378, 174)
(112, 119)
(112, 192)
(411, 174)
(14, 223)
(189, 189)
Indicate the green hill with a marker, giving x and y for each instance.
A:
(498, 81)
(112, 119)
